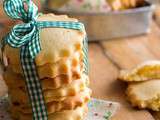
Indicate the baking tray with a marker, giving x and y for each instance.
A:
(154, 1)
(114, 24)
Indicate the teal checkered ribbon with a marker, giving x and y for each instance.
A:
(26, 37)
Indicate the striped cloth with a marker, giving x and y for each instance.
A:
(26, 37)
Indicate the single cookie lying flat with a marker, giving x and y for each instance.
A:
(145, 94)
(145, 71)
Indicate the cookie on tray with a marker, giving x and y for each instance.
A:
(145, 94)
(145, 71)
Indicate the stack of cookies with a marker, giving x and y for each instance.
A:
(61, 71)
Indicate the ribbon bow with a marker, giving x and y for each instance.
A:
(22, 34)
(26, 37)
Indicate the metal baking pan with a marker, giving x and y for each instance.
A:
(117, 24)
(154, 1)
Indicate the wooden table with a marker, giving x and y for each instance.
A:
(108, 58)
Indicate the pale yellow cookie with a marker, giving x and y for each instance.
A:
(77, 114)
(70, 103)
(61, 81)
(20, 94)
(12, 79)
(145, 94)
(145, 71)
(69, 90)
(56, 43)
(70, 66)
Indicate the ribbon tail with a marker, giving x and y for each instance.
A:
(34, 45)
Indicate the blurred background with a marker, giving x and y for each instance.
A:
(122, 34)
(119, 18)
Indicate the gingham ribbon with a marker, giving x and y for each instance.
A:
(26, 37)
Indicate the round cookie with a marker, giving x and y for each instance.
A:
(145, 94)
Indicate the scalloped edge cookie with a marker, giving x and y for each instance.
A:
(145, 94)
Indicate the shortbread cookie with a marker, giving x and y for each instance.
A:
(12, 79)
(62, 81)
(70, 67)
(73, 65)
(77, 114)
(145, 71)
(69, 90)
(69, 103)
(145, 94)
(20, 94)
(56, 43)
(49, 83)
